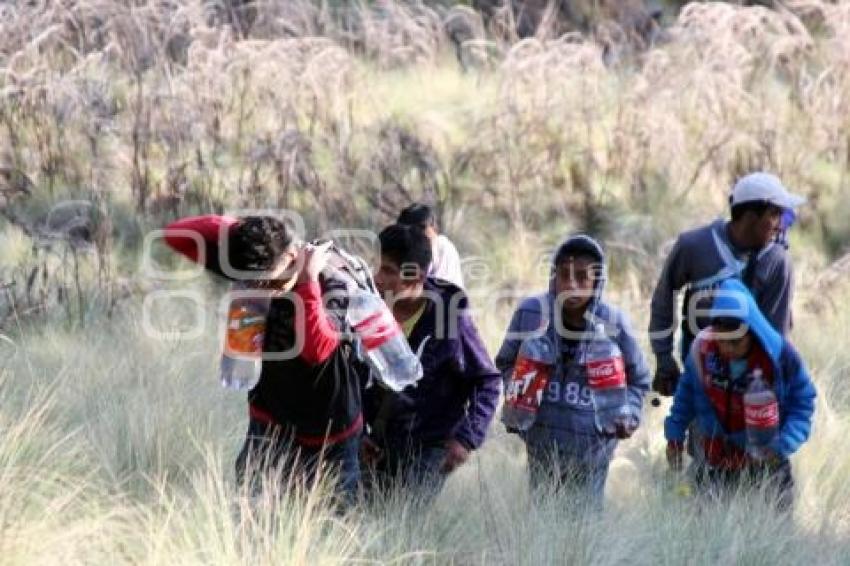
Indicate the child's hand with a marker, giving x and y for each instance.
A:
(674, 455)
(456, 455)
(625, 429)
(770, 457)
(314, 258)
(370, 452)
(667, 373)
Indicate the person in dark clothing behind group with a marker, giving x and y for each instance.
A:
(749, 247)
(305, 409)
(420, 435)
(445, 261)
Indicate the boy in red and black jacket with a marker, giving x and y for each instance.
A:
(307, 408)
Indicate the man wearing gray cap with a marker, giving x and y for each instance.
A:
(750, 247)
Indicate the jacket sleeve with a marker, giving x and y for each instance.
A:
(682, 411)
(799, 404)
(662, 318)
(526, 319)
(774, 300)
(484, 385)
(197, 238)
(509, 349)
(637, 372)
(320, 336)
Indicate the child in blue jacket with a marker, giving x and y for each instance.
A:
(564, 445)
(722, 363)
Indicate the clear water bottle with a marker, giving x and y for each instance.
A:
(524, 391)
(606, 378)
(387, 349)
(761, 415)
(242, 356)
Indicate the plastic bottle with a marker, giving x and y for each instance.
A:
(606, 377)
(242, 356)
(524, 391)
(387, 350)
(761, 415)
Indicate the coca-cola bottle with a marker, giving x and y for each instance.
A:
(242, 355)
(761, 415)
(606, 377)
(387, 350)
(524, 390)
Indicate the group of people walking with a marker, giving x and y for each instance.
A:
(324, 407)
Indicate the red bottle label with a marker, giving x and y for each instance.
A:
(606, 374)
(762, 416)
(377, 329)
(528, 381)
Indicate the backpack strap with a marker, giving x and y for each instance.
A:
(732, 266)
(749, 275)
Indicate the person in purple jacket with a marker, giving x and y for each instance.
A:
(425, 432)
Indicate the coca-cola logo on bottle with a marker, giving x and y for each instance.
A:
(606, 374)
(762, 416)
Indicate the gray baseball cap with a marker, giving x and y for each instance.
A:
(764, 187)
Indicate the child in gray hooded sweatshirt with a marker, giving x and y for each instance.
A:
(564, 444)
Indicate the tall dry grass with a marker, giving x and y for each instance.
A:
(345, 116)
(118, 448)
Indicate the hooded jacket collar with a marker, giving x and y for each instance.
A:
(734, 300)
(584, 245)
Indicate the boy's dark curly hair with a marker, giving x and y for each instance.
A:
(406, 245)
(257, 242)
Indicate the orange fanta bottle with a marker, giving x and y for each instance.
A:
(242, 358)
